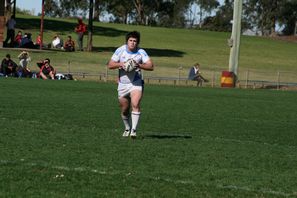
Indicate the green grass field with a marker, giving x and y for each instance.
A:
(63, 139)
(169, 48)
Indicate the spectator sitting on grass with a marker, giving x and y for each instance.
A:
(23, 70)
(69, 45)
(18, 39)
(57, 42)
(8, 66)
(27, 41)
(46, 70)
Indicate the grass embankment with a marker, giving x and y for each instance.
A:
(169, 48)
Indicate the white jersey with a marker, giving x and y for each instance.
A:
(122, 55)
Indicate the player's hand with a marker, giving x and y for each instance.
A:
(137, 65)
(121, 65)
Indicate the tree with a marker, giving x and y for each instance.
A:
(99, 7)
(51, 8)
(265, 14)
(120, 9)
(90, 26)
(66, 8)
(206, 6)
(222, 19)
(139, 5)
(288, 17)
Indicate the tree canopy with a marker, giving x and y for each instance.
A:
(258, 15)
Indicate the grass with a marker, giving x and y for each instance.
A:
(63, 139)
(169, 49)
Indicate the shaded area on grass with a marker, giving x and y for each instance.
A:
(62, 26)
(150, 51)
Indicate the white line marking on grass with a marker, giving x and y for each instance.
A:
(184, 182)
(65, 168)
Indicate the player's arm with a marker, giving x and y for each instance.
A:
(43, 76)
(115, 65)
(148, 65)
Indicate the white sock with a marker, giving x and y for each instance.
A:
(126, 122)
(135, 118)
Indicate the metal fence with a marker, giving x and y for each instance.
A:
(246, 79)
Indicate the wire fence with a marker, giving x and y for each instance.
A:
(245, 79)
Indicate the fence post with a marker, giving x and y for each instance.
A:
(179, 71)
(68, 67)
(213, 79)
(106, 73)
(247, 79)
(278, 80)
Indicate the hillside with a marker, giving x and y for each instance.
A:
(173, 50)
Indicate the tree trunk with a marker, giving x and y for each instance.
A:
(97, 10)
(90, 27)
(273, 13)
(8, 9)
(295, 32)
(140, 11)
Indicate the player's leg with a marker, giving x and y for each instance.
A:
(136, 96)
(125, 109)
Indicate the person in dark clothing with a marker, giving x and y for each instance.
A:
(8, 66)
(46, 70)
(195, 74)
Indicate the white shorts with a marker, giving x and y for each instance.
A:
(125, 89)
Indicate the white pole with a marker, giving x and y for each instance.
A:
(234, 41)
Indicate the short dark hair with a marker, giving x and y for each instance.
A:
(47, 60)
(7, 55)
(133, 34)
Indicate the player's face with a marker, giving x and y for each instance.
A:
(132, 44)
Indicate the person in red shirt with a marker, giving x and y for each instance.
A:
(80, 29)
(38, 40)
(18, 39)
(69, 45)
(46, 70)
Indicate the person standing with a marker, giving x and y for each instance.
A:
(10, 31)
(130, 84)
(80, 29)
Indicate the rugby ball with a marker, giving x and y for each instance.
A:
(129, 65)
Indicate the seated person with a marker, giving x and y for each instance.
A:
(38, 43)
(23, 70)
(18, 39)
(27, 42)
(57, 42)
(69, 45)
(46, 70)
(195, 74)
(8, 66)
